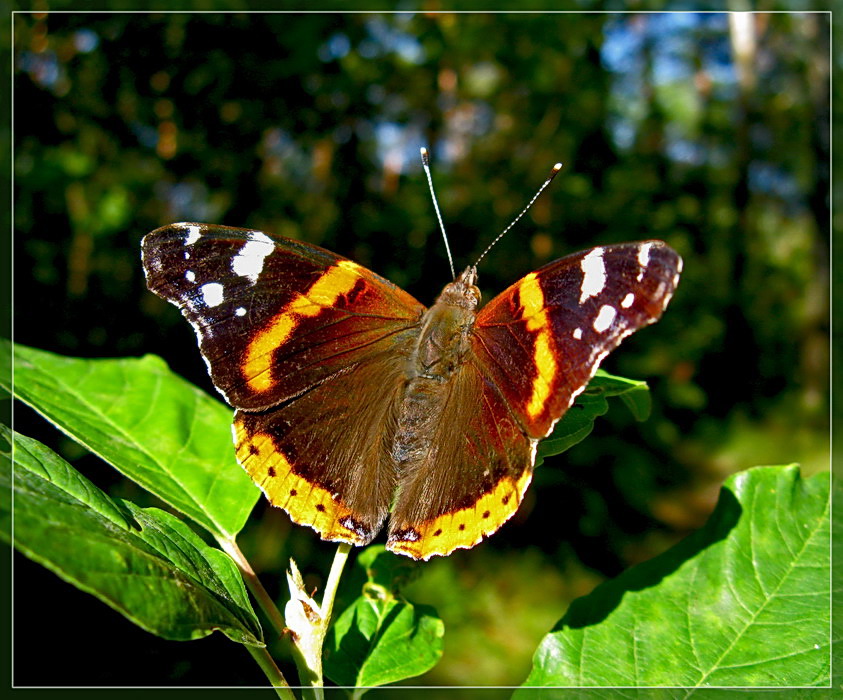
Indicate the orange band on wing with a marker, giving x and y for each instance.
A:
(464, 528)
(306, 502)
(534, 312)
(323, 293)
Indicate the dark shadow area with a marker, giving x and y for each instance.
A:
(597, 606)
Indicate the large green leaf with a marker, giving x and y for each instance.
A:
(152, 425)
(742, 602)
(837, 555)
(144, 563)
(578, 422)
(381, 638)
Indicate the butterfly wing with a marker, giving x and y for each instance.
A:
(308, 346)
(324, 456)
(471, 479)
(273, 316)
(534, 348)
(542, 339)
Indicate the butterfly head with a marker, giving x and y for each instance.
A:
(463, 291)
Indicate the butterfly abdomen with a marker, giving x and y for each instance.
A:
(440, 352)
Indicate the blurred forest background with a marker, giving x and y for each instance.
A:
(710, 134)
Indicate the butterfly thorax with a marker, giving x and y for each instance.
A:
(445, 328)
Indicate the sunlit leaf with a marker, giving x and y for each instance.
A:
(742, 602)
(152, 425)
(382, 638)
(144, 563)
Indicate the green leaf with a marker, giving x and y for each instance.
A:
(744, 601)
(144, 563)
(578, 421)
(637, 400)
(152, 425)
(381, 638)
(837, 555)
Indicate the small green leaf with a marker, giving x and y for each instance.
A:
(742, 602)
(578, 422)
(149, 423)
(144, 563)
(638, 401)
(381, 638)
(575, 426)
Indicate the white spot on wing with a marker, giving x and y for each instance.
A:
(644, 259)
(577, 333)
(193, 235)
(240, 311)
(627, 300)
(190, 276)
(212, 293)
(604, 318)
(249, 261)
(678, 272)
(594, 274)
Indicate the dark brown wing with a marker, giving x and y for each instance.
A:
(472, 478)
(273, 316)
(541, 340)
(310, 347)
(324, 456)
(534, 348)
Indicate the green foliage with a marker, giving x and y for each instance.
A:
(710, 611)
(381, 638)
(578, 422)
(144, 563)
(156, 428)
(744, 601)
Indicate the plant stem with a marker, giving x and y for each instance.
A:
(333, 583)
(311, 631)
(308, 668)
(263, 598)
(276, 678)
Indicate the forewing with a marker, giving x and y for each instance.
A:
(273, 316)
(470, 479)
(541, 340)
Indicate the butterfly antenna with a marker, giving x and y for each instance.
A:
(426, 163)
(556, 168)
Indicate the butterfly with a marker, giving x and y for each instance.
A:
(356, 404)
